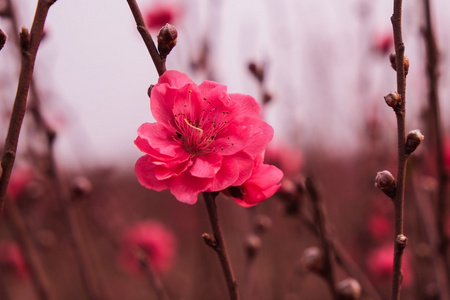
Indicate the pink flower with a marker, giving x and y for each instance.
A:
(380, 262)
(20, 178)
(447, 154)
(262, 184)
(162, 13)
(383, 42)
(286, 157)
(379, 226)
(149, 240)
(204, 139)
(11, 258)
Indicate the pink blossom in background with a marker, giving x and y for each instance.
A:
(380, 227)
(286, 157)
(11, 258)
(262, 184)
(380, 262)
(21, 176)
(162, 13)
(383, 42)
(447, 153)
(154, 241)
(204, 140)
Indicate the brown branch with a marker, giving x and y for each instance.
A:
(159, 62)
(218, 244)
(320, 222)
(344, 259)
(425, 211)
(153, 277)
(400, 112)
(39, 278)
(29, 43)
(432, 54)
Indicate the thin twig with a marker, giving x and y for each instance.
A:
(39, 278)
(154, 279)
(436, 128)
(320, 222)
(29, 46)
(160, 63)
(400, 112)
(218, 244)
(425, 210)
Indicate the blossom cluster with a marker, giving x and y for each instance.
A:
(205, 140)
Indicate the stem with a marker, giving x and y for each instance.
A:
(39, 278)
(345, 260)
(154, 279)
(320, 222)
(218, 244)
(426, 213)
(160, 63)
(29, 46)
(400, 240)
(436, 128)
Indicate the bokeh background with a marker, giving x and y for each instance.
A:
(326, 69)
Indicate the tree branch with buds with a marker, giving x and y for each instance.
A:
(217, 242)
(29, 44)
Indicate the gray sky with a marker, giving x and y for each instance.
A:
(95, 69)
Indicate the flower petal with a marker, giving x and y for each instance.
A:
(146, 175)
(186, 187)
(206, 166)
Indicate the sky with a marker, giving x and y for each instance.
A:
(94, 69)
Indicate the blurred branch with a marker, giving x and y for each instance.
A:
(400, 112)
(320, 222)
(160, 63)
(39, 278)
(426, 213)
(154, 279)
(218, 244)
(29, 43)
(432, 54)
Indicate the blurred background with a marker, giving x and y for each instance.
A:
(326, 69)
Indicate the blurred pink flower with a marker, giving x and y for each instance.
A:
(11, 258)
(383, 42)
(447, 153)
(21, 176)
(379, 226)
(262, 184)
(204, 139)
(162, 13)
(380, 261)
(286, 157)
(151, 240)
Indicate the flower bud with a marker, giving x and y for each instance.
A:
(348, 289)
(393, 60)
(3, 38)
(167, 39)
(386, 182)
(262, 224)
(252, 245)
(81, 186)
(413, 140)
(313, 260)
(393, 99)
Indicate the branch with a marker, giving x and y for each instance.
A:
(29, 43)
(160, 63)
(39, 278)
(218, 244)
(432, 54)
(320, 222)
(400, 239)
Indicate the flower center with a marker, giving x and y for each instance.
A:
(198, 131)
